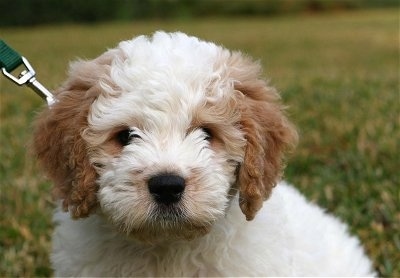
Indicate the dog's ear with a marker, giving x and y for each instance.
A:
(267, 131)
(58, 142)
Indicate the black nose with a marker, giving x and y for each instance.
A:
(166, 188)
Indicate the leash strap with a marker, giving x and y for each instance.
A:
(10, 60)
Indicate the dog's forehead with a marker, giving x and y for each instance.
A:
(168, 66)
(165, 78)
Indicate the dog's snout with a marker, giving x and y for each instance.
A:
(166, 188)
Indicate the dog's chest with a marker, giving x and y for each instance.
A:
(111, 259)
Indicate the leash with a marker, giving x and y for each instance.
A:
(10, 60)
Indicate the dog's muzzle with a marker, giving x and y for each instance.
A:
(166, 188)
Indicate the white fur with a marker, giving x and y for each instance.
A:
(289, 237)
(156, 87)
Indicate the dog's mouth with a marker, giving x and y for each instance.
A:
(169, 223)
(170, 214)
(165, 223)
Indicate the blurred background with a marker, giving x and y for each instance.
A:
(27, 13)
(336, 64)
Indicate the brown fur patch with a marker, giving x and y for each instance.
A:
(221, 119)
(267, 131)
(58, 142)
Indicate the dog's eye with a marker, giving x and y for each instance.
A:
(125, 136)
(207, 132)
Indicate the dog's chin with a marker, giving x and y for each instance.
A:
(159, 234)
(165, 224)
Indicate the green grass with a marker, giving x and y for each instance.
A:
(339, 74)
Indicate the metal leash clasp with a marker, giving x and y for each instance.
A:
(27, 77)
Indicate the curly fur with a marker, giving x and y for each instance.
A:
(205, 114)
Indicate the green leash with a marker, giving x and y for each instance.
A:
(10, 60)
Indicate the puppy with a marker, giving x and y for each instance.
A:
(160, 150)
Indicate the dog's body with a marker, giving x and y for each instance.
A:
(289, 237)
(155, 145)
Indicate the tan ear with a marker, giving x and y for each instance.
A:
(267, 131)
(57, 140)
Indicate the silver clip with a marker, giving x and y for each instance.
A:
(28, 77)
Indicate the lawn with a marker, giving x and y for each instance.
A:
(338, 73)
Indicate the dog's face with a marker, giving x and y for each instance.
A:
(159, 134)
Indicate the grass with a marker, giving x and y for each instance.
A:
(339, 74)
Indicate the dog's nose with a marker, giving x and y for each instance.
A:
(166, 188)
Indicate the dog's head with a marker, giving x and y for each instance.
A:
(159, 133)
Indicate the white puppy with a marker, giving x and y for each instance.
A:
(157, 148)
